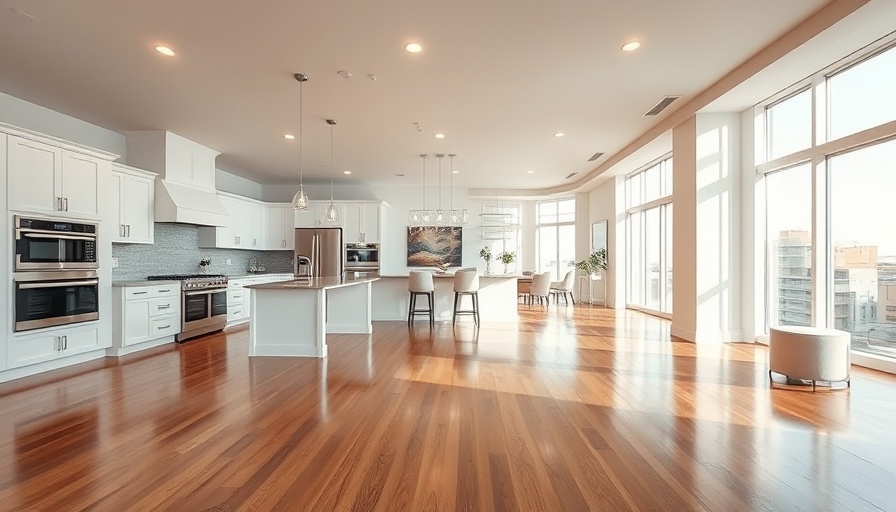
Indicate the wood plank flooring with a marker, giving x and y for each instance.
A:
(573, 409)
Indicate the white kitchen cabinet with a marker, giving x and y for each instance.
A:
(144, 316)
(132, 196)
(48, 344)
(239, 299)
(244, 229)
(304, 219)
(362, 222)
(279, 227)
(319, 210)
(48, 179)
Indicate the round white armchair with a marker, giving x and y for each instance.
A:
(809, 353)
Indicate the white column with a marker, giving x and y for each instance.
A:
(706, 241)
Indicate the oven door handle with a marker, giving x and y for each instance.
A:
(205, 292)
(58, 284)
(64, 237)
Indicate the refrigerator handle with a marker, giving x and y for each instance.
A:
(315, 257)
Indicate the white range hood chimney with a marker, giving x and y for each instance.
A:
(185, 190)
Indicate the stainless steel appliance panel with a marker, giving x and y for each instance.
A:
(362, 256)
(323, 246)
(54, 244)
(47, 299)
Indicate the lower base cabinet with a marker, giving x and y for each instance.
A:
(49, 344)
(144, 314)
(238, 299)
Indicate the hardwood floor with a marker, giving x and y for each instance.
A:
(571, 409)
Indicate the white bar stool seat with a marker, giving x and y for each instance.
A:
(466, 282)
(420, 283)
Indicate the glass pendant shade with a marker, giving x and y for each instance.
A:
(331, 212)
(331, 215)
(300, 200)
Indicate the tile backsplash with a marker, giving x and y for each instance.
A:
(176, 251)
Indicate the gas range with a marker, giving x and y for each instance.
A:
(194, 281)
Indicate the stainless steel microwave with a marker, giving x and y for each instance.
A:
(54, 244)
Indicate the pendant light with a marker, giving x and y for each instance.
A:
(331, 210)
(415, 217)
(300, 201)
(440, 213)
(455, 216)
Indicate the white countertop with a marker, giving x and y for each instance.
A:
(317, 283)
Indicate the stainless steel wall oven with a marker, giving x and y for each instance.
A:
(47, 299)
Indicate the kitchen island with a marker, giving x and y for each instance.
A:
(497, 298)
(292, 318)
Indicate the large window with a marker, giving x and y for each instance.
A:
(501, 231)
(556, 237)
(649, 237)
(830, 260)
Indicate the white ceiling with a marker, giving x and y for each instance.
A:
(497, 77)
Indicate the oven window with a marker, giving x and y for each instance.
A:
(219, 303)
(362, 256)
(36, 301)
(196, 307)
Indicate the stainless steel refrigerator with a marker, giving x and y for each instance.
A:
(323, 246)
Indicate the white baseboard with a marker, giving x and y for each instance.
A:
(287, 351)
(46, 366)
(123, 351)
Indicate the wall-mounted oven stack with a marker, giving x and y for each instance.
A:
(55, 273)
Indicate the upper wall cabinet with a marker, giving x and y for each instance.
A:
(362, 222)
(132, 198)
(279, 227)
(45, 178)
(244, 229)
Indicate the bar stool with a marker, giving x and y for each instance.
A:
(420, 283)
(466, 282)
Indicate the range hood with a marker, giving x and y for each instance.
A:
(187, 204)
(185, 188)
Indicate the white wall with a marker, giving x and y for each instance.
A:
(227, 182)
(603, 206)
(41, 119)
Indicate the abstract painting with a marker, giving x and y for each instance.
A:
(431, 246)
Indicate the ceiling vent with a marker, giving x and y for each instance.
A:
(659, 107)
(570, 175)
(596, 156)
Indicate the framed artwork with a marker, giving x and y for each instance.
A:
(432, 246)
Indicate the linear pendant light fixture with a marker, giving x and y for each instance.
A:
(300, 201)
(439, 216)
(331, 210)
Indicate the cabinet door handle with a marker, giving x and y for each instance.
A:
(65, 202)
(121, 230)
(58, 204)
(65, 343)
(165, 327)
(164, 306)
(127, 228)
(57, 343)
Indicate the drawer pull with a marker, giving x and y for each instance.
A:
(140, 293)
(164, 306)
(165, 327)
(237, 312)
(164, 291)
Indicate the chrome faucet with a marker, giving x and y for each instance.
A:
(304, 268)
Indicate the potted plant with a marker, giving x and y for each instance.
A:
(486, 254)
(507, 257)
(595, 264)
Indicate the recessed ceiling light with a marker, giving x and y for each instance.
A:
(530, 172)
(440, 135)
(559, 134)
(344, 74)
(414, 47)
(631, 46)
(455, 172)
(164, 50)
(289, 136)
(346, 172)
